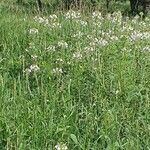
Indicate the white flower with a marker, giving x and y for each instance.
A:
(103, 42)
(55, 25)
(61, 147)
(117, 91)
(89, 49)
(109, 16)
(117, 17)
(34, 56)
(98, 42)
(135, 19)
(53, 17)
(33, 31)
(89, 37)
(97, 24)
(32, 68)
(68, 62)
(77, 55)
(72, 15)
(62, 44)
(26, 50)
(31, 45)
(126, 50)
(97, 15)
(82, 23)
(78, 35)
(28, 70)
(41, 19)
(59, 60)
(57, 71)
(137, 35)
(114, 38)
(146, 49)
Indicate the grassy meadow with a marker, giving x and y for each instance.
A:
(73, 80)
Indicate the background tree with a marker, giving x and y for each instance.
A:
(39, 4)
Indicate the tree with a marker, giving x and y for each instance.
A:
(135, 4)
(107, 3)
(39, 4)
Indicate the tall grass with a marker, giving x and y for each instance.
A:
(81, 81)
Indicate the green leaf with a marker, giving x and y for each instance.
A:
(74, 138)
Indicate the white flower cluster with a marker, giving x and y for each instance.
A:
(51, 21)
(98, 42)
(113, 38)
(61, 147)
(32, 68)
(97, 15)
(34, 56)
(54, 25)
(59, 61)
(143, 24)
(109, 17)
(106, 34)
(53, 17)
(82, 22)
(78, 35)
(57, 71)
(137, 35)
(40, 20)
(126, 28)
(117, 18)
(146, 49)
(125, 49)
(62, 44)
(97, 23)
(135, 20)
(33, 31)
(73, 15)
(77, 56)
(89, 49)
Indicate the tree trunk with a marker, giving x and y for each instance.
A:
(39, 3)
(107, 4)
(134, 6)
